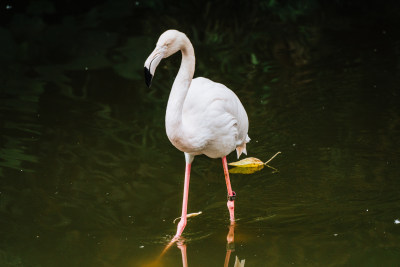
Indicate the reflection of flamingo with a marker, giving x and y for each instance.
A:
(230, 247)
(203, 117)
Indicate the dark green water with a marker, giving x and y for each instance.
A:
(89, 178)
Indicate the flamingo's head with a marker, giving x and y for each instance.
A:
(169, 43)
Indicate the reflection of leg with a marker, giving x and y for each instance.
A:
(230, 245)
(227, 257)
(182, 223)
(230, 238)
(231, 194)
(182, 247)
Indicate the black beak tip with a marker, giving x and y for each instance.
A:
(147, 76)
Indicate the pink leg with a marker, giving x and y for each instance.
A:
(182, 222)
(231, 194)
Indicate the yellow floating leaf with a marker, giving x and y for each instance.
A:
(244, 170)
(251, 165)
(247, 162)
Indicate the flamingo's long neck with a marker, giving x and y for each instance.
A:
(173, 116)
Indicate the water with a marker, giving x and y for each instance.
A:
(89, 178)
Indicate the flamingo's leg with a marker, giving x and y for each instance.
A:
(231, 194)
(182, 223)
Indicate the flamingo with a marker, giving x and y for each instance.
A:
(202, 116)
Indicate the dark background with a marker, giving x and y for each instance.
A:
(89, 178)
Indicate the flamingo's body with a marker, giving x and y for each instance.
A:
(203, 117)
(213, 119)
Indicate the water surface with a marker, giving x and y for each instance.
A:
(89, 178)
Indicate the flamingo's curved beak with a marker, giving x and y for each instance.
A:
(147, 77)
(151, 64)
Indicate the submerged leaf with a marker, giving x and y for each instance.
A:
(244, 170)
(189, 215)
(247, 162)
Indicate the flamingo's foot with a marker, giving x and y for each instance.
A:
(231, 206)
(180, 228)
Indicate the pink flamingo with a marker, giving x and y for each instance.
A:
(202, 117)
